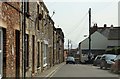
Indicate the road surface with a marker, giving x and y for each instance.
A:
(83, 71)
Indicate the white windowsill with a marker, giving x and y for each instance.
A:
(45, 65)
(39, 68)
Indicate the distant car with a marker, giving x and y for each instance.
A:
(116, 65)
(96, 61)
(106, 60)
(70, 60)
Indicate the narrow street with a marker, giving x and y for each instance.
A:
(38, 38)
(80, 70)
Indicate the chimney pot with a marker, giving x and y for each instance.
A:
(105, 25)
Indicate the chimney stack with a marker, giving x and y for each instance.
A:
(105, 25)
(111, 26)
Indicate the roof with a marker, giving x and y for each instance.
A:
(104, 31)
(114, 34)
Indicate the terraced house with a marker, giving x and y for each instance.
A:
(28, 39)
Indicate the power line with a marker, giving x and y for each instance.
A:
(77, 36)
(75, 28)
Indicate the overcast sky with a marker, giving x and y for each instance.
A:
(72, 16)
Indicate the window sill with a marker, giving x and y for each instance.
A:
(27, 68)
(38, 68)
(45, 65)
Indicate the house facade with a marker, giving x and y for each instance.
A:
(114, 41)
(28, 39)
(10, 39)
(103, 40)
(98, 44)
(119, 13)
(60, 45)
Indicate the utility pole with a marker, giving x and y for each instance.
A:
(68, 48)
(71, 46)
(89, 57)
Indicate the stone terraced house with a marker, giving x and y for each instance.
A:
(28, 39)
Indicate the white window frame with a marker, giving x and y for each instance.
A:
(45, 55)
(1, 51)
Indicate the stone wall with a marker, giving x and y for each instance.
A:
(10, 17)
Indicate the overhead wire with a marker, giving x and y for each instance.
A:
(77, 26)
(76, 38)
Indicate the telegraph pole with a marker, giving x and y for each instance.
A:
(71, 46)
(89, 57)
(68, 48)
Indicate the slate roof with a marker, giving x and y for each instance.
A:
(112, 33)
(104, 31)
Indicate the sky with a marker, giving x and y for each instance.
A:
(72, 16)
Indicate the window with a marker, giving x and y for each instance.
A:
(37, 17)
(33, 53)
(45, 55)
(17, 45)
(27, 50)
(27, 7)
(38, 60)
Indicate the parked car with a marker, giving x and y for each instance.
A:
(106, 60)
(116, 65)
(70, 60)
(96, 61)
(84, 58)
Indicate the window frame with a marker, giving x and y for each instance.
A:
(45, 55)
(27, 51)
(38, 54)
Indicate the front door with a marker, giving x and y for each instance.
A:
(1, 53)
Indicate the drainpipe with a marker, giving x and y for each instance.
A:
(53, 47)
(23, 39)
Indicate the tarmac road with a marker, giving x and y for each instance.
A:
(81, 71)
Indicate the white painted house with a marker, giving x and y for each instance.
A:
(98, 45)
(98, 41)
(101, 40)
(119, 13)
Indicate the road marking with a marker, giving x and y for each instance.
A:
(53, 72)
(56, 70)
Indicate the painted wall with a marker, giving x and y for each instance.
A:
(98, 41)
(119, 13)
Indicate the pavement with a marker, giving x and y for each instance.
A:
(49, 72)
